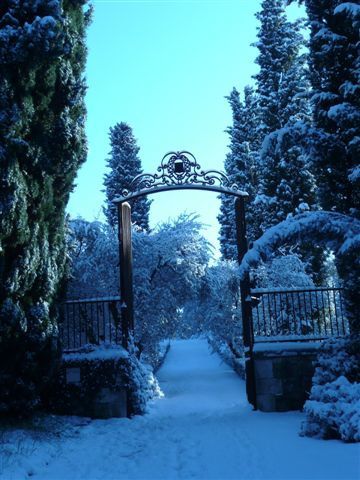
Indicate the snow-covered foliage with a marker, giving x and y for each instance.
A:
(334, 144)
(279, 43)
(267, 155)
(283, 271)
(232, 354)
(339, 232)
(273, 314)
(124, 164)
(169, 265)
(217, 310)
(143, 385)
(240, 167)
(42, 115)
(287, 184)
(333, 410)
(93, 249)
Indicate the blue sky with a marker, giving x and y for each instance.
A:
(165, 67)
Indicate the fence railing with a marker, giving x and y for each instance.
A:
(90, 320)
(292, 313)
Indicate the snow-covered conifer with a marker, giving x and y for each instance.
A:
(124, 164)
(42, 114)
(286, 182)
(278, 43)
(240, 167)
(334, 73)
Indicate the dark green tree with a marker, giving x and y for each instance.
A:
(241, 168)
(124, 164)
(334, 146)
(286, 183)
(42, 60)
(334, 142)
(279, 42)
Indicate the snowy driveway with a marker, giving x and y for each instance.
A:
(203, 428)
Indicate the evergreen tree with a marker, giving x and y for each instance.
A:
(286, 183)
(279, 42)
(334, 73)
(42, 113)
(125, 165)
(240, 167)
(334, 145)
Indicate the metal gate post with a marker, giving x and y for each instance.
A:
(246, 309)
(126, 273)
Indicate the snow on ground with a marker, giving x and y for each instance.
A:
(202, 428)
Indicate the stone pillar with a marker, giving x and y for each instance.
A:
(283, 373)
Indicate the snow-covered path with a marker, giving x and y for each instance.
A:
(201, 429)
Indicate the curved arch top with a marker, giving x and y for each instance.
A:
(179, 171)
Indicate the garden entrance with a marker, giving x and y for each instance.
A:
(267, 316)
(180, 171)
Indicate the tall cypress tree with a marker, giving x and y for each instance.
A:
(286, 183)
(124, 164)
(240, 167)
(334, 145)
(42, 59)
(278, 43)
(334, 73)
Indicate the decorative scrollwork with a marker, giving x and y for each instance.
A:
(179, 170)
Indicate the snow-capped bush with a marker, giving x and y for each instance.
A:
(286, 271)
(340, 233)
(233, 356)
(333, 409)
(143, 385)
(169, 265)
(220, 302)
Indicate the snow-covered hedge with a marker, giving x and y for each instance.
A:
(232, 356)
(333, 409)
(143, 385)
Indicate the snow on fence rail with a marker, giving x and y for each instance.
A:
(313, 313)
(91, 320)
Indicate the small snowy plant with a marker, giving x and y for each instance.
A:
(143, 385)
(333, 410)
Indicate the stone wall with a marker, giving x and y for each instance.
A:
(92, 383)
(283, 373)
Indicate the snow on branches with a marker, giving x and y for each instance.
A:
(339, 232)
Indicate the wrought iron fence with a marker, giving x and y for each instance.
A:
(297, 313)
(93, 320)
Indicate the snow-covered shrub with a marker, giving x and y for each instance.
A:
(169, 264)
(143, 385)
(340, 233)
(156, 356)
(284, 271)
(217, 310)
(333, 409)
(221, 301)
(232, 354)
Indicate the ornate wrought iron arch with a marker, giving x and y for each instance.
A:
(179, 171)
